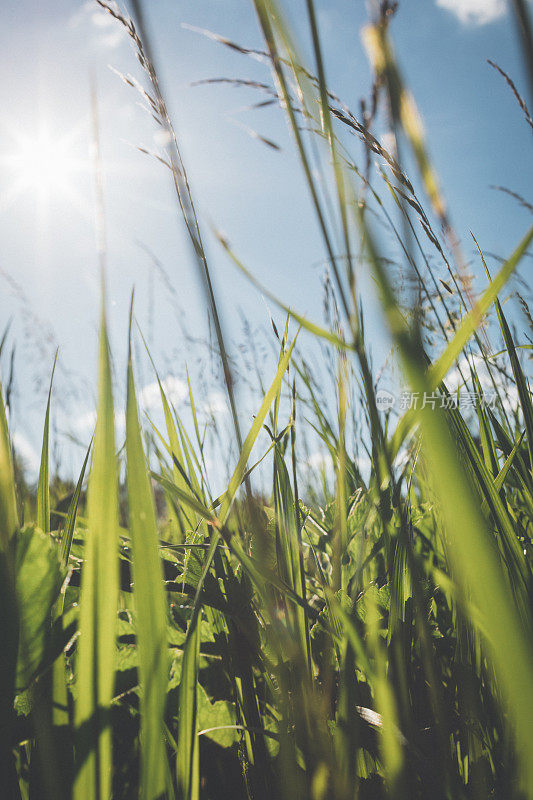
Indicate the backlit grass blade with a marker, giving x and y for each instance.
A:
(289, 547)
(98, 603)
(306, 324)
(150, 605)
(4, 336)
(403, 109)
(185, 520)
(500, 478)
(187, 756)
(273, 26)
(507, 444)
(524, 392)
(8, 503)
(490, 455)
(474, 318)
(8, 619)
(70, 521)
(43, 486)
(482, 479)
(439, 369)
(60, 710)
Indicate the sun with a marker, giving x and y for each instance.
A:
(42, 165)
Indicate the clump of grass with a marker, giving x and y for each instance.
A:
(375, 642)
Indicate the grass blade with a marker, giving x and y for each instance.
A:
(70, 521)
(98, 602)
(43, 487)
(150, 605)
(8, 503)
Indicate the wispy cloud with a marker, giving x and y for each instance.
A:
(475, 12)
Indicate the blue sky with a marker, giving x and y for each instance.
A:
(49, 268)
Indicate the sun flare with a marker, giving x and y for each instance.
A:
(42, 164)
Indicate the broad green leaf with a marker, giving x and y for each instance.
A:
(216, 720)
(38, 580)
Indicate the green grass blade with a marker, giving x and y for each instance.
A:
(524, 392)
(403, 109)
(474, 318)
(187, 756)
(43, 486)
(150, 605)
(253, 433)
(507, 445)
(8, 503)
(60, 711)
(9, 620)
(500, 478)
(305, 323)
(4, 336)
(289, 546)
(70, 521)
(438, 370)
(98, 603)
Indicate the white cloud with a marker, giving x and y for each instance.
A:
(162, 138)
(149, 400)
(86, 421)
(215, 404)
(26, 452)
(507, 390)
(388, 141)
(475, 12)
(175, 391)
(104, 31)
(320, 460)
